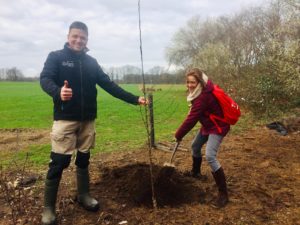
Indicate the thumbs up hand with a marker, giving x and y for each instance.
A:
(66, 92)
(66, 84)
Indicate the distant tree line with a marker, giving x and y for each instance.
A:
(124, 74)
(163, 78)
(11, 74)
(133, 75)
(14, 74)
(254, 54)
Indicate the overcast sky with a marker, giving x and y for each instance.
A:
(30, 29)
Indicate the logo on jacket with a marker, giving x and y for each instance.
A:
(68, 63)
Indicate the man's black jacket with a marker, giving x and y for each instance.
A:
(82, 73)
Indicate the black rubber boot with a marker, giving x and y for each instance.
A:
(83, 186)
(196, 169)
(51, 188)
(222, 198)
(196, 166)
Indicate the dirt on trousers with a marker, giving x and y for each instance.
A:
(263, 176)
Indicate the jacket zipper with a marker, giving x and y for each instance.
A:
(81, 88)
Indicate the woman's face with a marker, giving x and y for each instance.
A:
(191, 83)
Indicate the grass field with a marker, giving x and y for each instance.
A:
(119, 125)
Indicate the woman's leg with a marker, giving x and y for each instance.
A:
(197, 144)
(213, 144)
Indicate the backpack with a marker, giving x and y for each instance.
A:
(230, 108)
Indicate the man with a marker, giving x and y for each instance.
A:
(70, 76)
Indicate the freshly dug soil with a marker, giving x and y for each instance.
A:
(261, 166)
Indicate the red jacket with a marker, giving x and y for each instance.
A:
(202, 106)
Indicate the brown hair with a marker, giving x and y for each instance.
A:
(197, 73)
(79, 25)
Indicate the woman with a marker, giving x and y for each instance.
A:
(204, 103)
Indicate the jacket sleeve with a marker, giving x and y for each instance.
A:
(198, 108)
(112, 88)
(49, 76)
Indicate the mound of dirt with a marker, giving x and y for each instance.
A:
(133, 185)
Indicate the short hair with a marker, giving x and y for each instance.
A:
(79, 25)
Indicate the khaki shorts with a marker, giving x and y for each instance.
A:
(69, 136)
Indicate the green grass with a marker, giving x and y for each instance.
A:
(24, 105)
(36, 156)
(119, 125)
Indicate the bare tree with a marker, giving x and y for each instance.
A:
(14, 74)
(255, 49)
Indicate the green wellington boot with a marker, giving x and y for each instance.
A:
(83, 186)
(48, 215)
